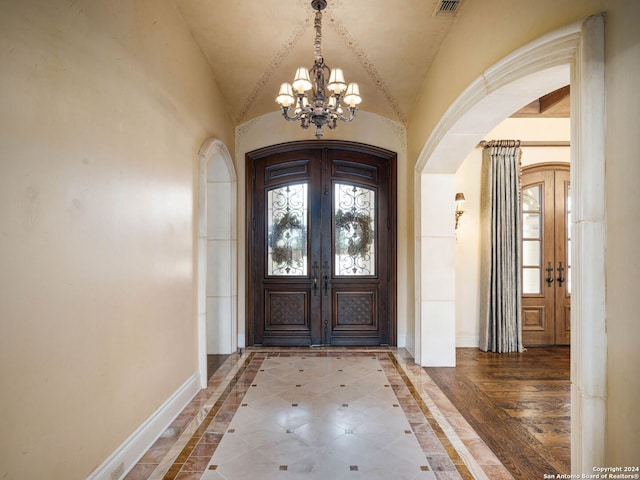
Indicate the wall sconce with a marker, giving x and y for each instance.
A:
(459, 211)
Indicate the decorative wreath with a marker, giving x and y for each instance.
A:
(279, 238)
(360, 223)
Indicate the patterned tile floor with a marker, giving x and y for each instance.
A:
(320, 413)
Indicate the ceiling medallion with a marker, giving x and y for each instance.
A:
(329, 99)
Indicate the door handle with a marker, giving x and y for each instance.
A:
(549, 278)
(561, 279)
(315, 278)
(325, 270)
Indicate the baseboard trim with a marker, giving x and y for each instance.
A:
(125, 457)
(466, 341)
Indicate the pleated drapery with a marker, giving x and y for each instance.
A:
(501, 248)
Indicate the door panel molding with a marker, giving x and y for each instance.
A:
(280, 171)
(534, 318)
(355, 309)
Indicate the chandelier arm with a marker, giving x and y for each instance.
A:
(352, 111)
(285, 114)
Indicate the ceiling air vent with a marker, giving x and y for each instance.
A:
(447, 8)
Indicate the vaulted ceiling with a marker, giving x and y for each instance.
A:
(253, 46)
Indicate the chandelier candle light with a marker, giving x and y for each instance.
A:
(329, 99)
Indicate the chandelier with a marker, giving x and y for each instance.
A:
(326, 101)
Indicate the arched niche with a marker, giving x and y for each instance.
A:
(217, 294)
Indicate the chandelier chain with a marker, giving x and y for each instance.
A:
(330, 98)
(317, 45)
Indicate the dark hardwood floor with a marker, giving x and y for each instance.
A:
(519, 404)
(214, 362)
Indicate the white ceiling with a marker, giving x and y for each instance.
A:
(253, 46)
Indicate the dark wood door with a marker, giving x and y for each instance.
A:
(546, 269)
(322, 268)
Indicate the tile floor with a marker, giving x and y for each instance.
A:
(320, 413)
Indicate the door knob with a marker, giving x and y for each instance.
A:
(315, 278)
(549, 278)
(561, 279)
(325, 272)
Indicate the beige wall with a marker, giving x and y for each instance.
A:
(623, 230)
(484, 33)
(103, 107)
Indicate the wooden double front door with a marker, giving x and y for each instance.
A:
(546, 266)
(322, 263)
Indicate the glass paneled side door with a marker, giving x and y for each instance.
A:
(546, 262)
(321, 267)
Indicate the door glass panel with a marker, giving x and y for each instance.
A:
(531, 199)
(531, 212)
(354, 221)
(287, 213)
(530, 280)
(532, 242)
(531, 225)
(531, 253)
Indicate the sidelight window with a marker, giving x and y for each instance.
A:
(531, 240)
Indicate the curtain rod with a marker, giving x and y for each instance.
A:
(494, 143)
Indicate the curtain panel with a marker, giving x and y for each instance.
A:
(501, 248)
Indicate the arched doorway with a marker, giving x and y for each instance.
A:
(575, 52)
(217, 259)
(321, 244)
